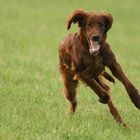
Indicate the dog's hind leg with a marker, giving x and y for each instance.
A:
(108, 77)
(102, 84)
(70, 86)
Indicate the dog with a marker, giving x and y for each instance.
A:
(85, 54)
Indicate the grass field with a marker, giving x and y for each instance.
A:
(32, 106)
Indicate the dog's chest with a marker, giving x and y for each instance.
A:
(94, 64)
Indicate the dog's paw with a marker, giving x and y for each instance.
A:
(104, 99)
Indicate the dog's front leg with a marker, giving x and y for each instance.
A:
(131, 90)
(100, 92)
(110, 61)
(104, 98)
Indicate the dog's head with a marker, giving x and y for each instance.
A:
(95, 26)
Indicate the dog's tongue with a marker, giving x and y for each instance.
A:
(94, 45)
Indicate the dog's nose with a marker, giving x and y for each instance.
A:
(95, 38)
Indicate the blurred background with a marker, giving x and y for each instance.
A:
(32, 105)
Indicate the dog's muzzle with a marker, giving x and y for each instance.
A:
(93, 43)
(94, 47)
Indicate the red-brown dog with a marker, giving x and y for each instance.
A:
(84, 56)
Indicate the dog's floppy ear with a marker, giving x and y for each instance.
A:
(78, 16)
(108, 20)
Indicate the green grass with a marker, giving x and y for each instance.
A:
(32, 106)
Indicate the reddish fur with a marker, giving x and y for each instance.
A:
(76, 63)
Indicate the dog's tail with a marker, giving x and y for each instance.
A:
(108, 77)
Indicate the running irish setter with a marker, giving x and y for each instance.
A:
(84, 56)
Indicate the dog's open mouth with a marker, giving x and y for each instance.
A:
(93, 47)
(93, 43)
